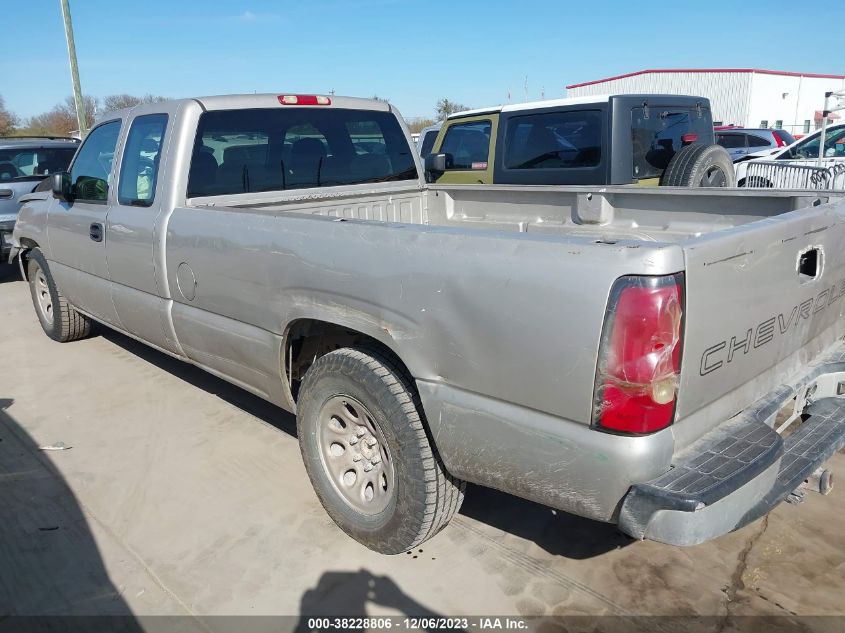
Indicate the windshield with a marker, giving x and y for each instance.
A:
(29, 163)
(834, 146)
(657, 134)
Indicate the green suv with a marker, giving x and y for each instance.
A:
(609, 140)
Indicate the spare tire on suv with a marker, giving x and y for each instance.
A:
(699, 165)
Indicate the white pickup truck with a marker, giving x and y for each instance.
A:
(669, 360)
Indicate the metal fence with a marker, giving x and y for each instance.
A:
(786, 174)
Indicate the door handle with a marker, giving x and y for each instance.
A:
(96, 232)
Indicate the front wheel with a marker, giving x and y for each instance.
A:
(59, 320)
(367, 453)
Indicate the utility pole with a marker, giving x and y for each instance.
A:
(74, 70)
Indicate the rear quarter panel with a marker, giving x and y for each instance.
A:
(512, 316)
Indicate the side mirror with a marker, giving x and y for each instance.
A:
(60, 184)
(436, 164)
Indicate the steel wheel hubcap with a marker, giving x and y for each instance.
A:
(714, 177)
(42, 294)
(355, 455)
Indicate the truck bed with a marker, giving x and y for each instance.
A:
(738, 249)
(622, 212)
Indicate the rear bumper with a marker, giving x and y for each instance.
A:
(741, 470)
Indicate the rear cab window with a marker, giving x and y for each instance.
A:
(658, 133)
(239, 151)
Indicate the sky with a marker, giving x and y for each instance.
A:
(410, 52)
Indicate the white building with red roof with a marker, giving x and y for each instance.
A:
(748, 97)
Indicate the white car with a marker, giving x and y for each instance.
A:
(801, 154)
(427, 135)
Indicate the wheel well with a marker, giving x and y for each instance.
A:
(26, 246)
(309, 339)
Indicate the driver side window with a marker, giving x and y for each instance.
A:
(468, 144)
(91, 171)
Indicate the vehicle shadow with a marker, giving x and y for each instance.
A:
(346, 594)
(558, 533)
(196, 377)
(51, 571)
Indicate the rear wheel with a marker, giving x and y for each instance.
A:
(367, 452)
(59, 320)
(699, 165)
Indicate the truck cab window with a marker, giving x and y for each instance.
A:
(275, 150)
(468, 144)
(139, 169)
(90, 173)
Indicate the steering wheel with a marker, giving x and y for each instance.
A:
(146, 166)
(145, 178)
(8, 171)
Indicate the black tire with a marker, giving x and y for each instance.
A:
(423, 497)
(700, 165)
(757, 182)
(61, 322)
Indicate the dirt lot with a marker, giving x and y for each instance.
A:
(181, 494)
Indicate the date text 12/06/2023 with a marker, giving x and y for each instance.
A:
(417, 623)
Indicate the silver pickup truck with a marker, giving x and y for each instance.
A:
(669, 360)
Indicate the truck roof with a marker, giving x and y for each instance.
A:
(248, 101)
(271, 100)
(566, 101)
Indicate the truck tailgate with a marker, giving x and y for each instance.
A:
(762, 300)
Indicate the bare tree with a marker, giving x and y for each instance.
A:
(61, 120)
(9, 121)
(417, 124)
(445, 107)
(117, 102)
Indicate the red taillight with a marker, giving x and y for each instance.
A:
(640, 356)
(304, 100)
(778, 139)
(691, 137)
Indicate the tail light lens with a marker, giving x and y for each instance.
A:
(640, 355)
(690, 137)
